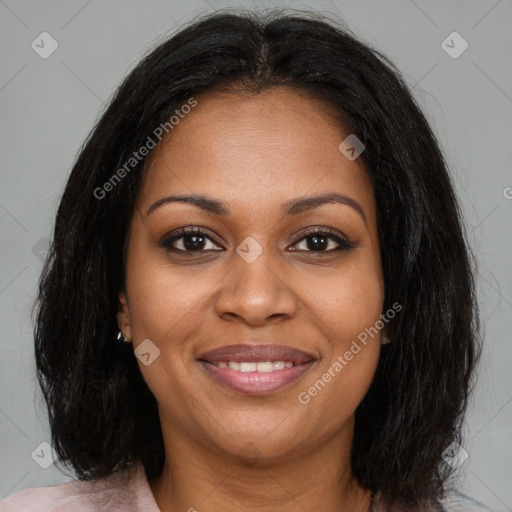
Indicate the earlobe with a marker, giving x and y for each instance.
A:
(384, 339)
(123, 315)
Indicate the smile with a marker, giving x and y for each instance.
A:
(244, 379)
(256, 368)
(253, 366)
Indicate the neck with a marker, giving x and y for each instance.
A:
(197, 477)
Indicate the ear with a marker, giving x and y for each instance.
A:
(123, 316)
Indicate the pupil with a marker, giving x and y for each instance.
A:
(197, 243)
(321, 240)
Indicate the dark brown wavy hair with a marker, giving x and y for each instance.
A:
(101, 412)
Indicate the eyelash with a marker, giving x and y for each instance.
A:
(343, 244)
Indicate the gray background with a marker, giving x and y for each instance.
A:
(48, 106)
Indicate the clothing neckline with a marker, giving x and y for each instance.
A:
(144, 492)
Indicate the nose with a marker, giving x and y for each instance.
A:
(256, 293)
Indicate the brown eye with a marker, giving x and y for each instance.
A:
(189, 240)
(323, 241)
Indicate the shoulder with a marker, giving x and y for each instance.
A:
(458, 502)
(452, 502)
(121, 491)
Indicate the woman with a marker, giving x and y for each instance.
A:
(264, 221)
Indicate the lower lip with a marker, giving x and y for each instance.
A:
(256, 382)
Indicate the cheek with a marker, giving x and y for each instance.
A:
(164, 299)
(348, 307)
(349, 301)
(332, 395)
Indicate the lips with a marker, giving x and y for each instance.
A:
(257, 352)
(243, 367)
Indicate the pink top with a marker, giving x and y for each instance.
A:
(121, 492)
(127, 491)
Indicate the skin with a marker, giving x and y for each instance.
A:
(226, 450)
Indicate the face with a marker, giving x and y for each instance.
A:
(257, 271)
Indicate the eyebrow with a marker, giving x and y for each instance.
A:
(292, 207)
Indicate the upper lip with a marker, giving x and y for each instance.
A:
(247, 352)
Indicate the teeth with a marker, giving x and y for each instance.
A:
(255, 366)
(267, 366)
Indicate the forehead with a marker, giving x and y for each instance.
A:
(246, 148)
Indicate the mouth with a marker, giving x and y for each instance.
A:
(256, 368)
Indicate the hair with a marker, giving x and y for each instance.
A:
(101, 412)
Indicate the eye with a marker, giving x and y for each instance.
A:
(324, 241)
(189, 239)
(194, 239)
